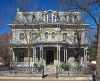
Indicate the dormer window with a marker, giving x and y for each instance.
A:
(28, 18)
(49, 17)
(70, 18)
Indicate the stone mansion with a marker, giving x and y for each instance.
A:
(51, 34)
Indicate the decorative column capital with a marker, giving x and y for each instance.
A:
(59, 47)
(41, 48)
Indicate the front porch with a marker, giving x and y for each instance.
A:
(47, 55)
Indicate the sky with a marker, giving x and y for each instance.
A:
(4, 18)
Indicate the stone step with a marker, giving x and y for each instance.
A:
(50, 78)
(50, 68)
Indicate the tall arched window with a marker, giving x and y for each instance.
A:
(49, 17)
(53, 35)
(21, 36)
(46, 35)
(75, 37)
(70, 18)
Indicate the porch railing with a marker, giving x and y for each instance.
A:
(73, 71)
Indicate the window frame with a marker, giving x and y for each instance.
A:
(64, 36)
(53, 35)
(46, 35)
(35, 34)
(75, 38)
(21, 36)
(50, 17)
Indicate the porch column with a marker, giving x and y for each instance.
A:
(66, 55)
(85, 56)
(42, 54)
(59, 53)
(34, 54)
(12, 55)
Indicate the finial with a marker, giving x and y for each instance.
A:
(17, 9)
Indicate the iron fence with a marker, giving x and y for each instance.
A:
(23, 70)
(73, 71)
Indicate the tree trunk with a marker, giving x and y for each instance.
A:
(98, 56)
(29, 58)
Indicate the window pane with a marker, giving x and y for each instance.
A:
(46, 35)
(70, 18)
(75, 37)
(53, 35)
(49, 17)
(22, 36)
(34, 35)
(64, 35)
(28, 18)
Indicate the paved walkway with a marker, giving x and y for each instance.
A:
(48, 77)
(38, 80)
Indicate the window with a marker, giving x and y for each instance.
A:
(21, 36)
(34, 35)
(46, 35)
(22, 57)
(65, 36)
(49, 17)
(70, 18)
(28, 18)
(75, 37)
(53, 35)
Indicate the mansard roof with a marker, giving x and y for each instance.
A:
(42, 17)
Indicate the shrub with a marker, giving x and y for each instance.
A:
(65, 66)
(35, 64)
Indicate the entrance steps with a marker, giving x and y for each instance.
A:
(50, 68)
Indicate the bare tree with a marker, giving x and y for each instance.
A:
(4, 48)
(77, 39)
(26, 21)
(91, 8)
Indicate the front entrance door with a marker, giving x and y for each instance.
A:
(49, 57)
